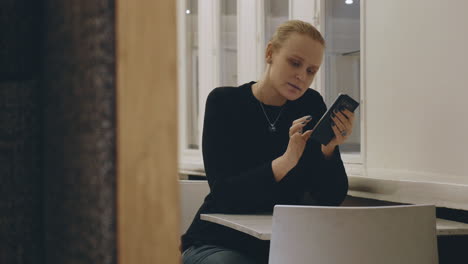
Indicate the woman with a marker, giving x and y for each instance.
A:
(256, 153)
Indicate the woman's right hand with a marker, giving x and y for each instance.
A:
(297, 141)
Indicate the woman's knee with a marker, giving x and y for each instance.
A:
(209, 254)
(227, 257)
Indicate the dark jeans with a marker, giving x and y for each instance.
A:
(209, 254)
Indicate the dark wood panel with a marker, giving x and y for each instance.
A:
(20, 39)
(21, 225)
(79, 132)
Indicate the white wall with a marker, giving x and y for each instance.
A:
(416, 55)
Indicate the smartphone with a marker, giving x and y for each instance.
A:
(323, 132)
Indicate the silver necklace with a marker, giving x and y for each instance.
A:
(272, 127)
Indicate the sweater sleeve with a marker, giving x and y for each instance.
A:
(332, 182)
(331, 185)
(233, 190)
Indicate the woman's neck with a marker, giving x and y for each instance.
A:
(266, 94)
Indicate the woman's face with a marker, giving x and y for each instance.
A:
(294, 65)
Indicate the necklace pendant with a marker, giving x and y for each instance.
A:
(272, 128)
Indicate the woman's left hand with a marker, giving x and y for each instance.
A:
(342, 125)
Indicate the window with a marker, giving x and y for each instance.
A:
(228, 52)
(191, 73)
(342, 59)
(276, 12)
(224, 45)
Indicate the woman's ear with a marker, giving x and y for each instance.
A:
(269, 53)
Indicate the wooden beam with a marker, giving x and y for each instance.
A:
(147, 190)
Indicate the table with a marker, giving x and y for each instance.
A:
(260, 225)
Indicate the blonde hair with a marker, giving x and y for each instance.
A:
(284, 30)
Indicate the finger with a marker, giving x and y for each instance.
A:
(306, 135)
(296, 128)
(306, 118)
(344, 120)
(337, 132)
(348, 114)
(338, 123)
(298, 125)
(348, 121)
(296, 136)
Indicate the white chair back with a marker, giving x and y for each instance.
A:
(403, 234)
(192, 194)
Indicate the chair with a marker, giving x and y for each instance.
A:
(404, 234)
(192, 194)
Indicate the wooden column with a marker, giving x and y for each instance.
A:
(147, 191)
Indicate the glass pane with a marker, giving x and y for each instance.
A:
(192, 72)
(228, 52)
(342, 59)
(276, 13)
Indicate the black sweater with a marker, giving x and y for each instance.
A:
(238, 150)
